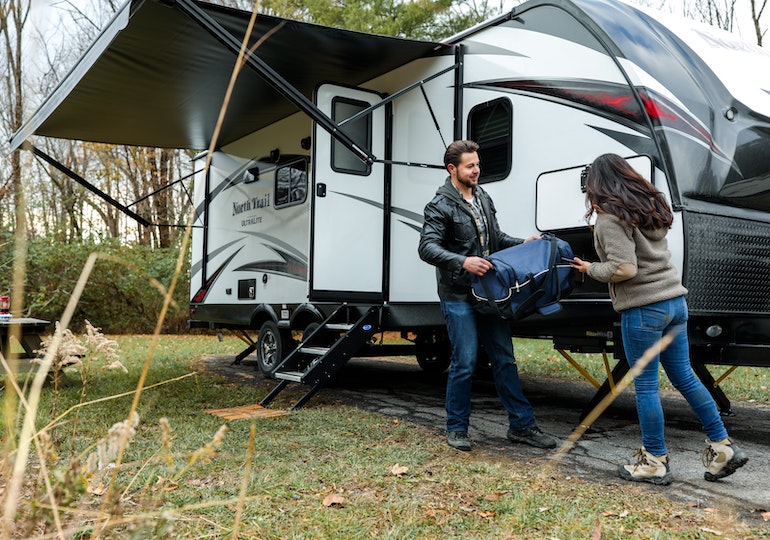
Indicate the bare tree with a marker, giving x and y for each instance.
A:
(719, 13)
(757, 8)
(13, 17)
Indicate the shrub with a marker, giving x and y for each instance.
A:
(119, 293)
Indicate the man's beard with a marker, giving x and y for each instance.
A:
(467, 182)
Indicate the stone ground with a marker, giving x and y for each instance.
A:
(398, 387)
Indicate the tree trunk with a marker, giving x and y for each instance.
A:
(756, 14)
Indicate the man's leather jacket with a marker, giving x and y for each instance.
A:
(449, 235)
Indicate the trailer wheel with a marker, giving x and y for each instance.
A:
(324, 339)
(272, 345)
(309, 329)
(433, 351)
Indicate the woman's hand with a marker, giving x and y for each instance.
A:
(580, 265)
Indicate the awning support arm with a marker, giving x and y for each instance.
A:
(170, 184)
(398, 94)
(459, 81)
(86, 184)
(385, 101)
(410, 164)
(272, 77)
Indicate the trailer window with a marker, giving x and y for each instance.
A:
(291, 184)
(360, 130)
(489, 124)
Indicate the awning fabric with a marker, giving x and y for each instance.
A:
(157, 78)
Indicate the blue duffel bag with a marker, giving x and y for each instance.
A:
(528, 278)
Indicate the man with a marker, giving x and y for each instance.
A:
(459, 230)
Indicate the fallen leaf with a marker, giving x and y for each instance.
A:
(624, 513)
(165, 484)
(496, 496)
(542, 509)
(711, 510)
(712, 531)
(596, 534)
(765, 516)
(334, 499)
(99, 490)
(487, 514)
(608, 513)
(396, 422)
(399, 470)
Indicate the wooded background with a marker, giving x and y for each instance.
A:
(49, 224)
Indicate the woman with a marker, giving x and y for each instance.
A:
(632, 220)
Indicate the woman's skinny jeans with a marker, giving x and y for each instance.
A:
(466, 331)
(642, 328)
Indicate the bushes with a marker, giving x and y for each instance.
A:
(119, 296)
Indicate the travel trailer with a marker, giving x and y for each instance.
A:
(310, 193)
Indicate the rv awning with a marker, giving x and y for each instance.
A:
(155, 77)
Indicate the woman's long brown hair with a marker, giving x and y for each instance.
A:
(614, 187)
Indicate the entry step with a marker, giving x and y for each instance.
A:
(293, 376)
(318, 351)
(338, 326)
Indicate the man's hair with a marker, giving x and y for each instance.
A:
(457, 149)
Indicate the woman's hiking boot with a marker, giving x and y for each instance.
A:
(722, 458)
(648, 468)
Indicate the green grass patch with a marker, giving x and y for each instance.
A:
(324, 471)
(538, 358)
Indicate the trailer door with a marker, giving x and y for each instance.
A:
(347, 240)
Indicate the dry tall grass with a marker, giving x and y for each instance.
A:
(18, 446)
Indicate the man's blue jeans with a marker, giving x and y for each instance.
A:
(466, 331)
(643, 327)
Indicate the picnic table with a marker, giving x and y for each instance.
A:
(25, 332)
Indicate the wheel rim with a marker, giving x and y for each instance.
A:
(269, 350)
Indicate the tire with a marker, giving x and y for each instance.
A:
(309, 329)
(324, 339)
(272, 347)
(433, 351)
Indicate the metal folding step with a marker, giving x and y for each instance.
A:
(322, 354)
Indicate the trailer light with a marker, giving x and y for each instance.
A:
(714, 331)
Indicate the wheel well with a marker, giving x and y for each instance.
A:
(304, 315)
(263, 313)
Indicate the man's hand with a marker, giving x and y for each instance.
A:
(477, 265)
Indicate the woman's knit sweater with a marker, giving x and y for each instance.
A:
(656, 278)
